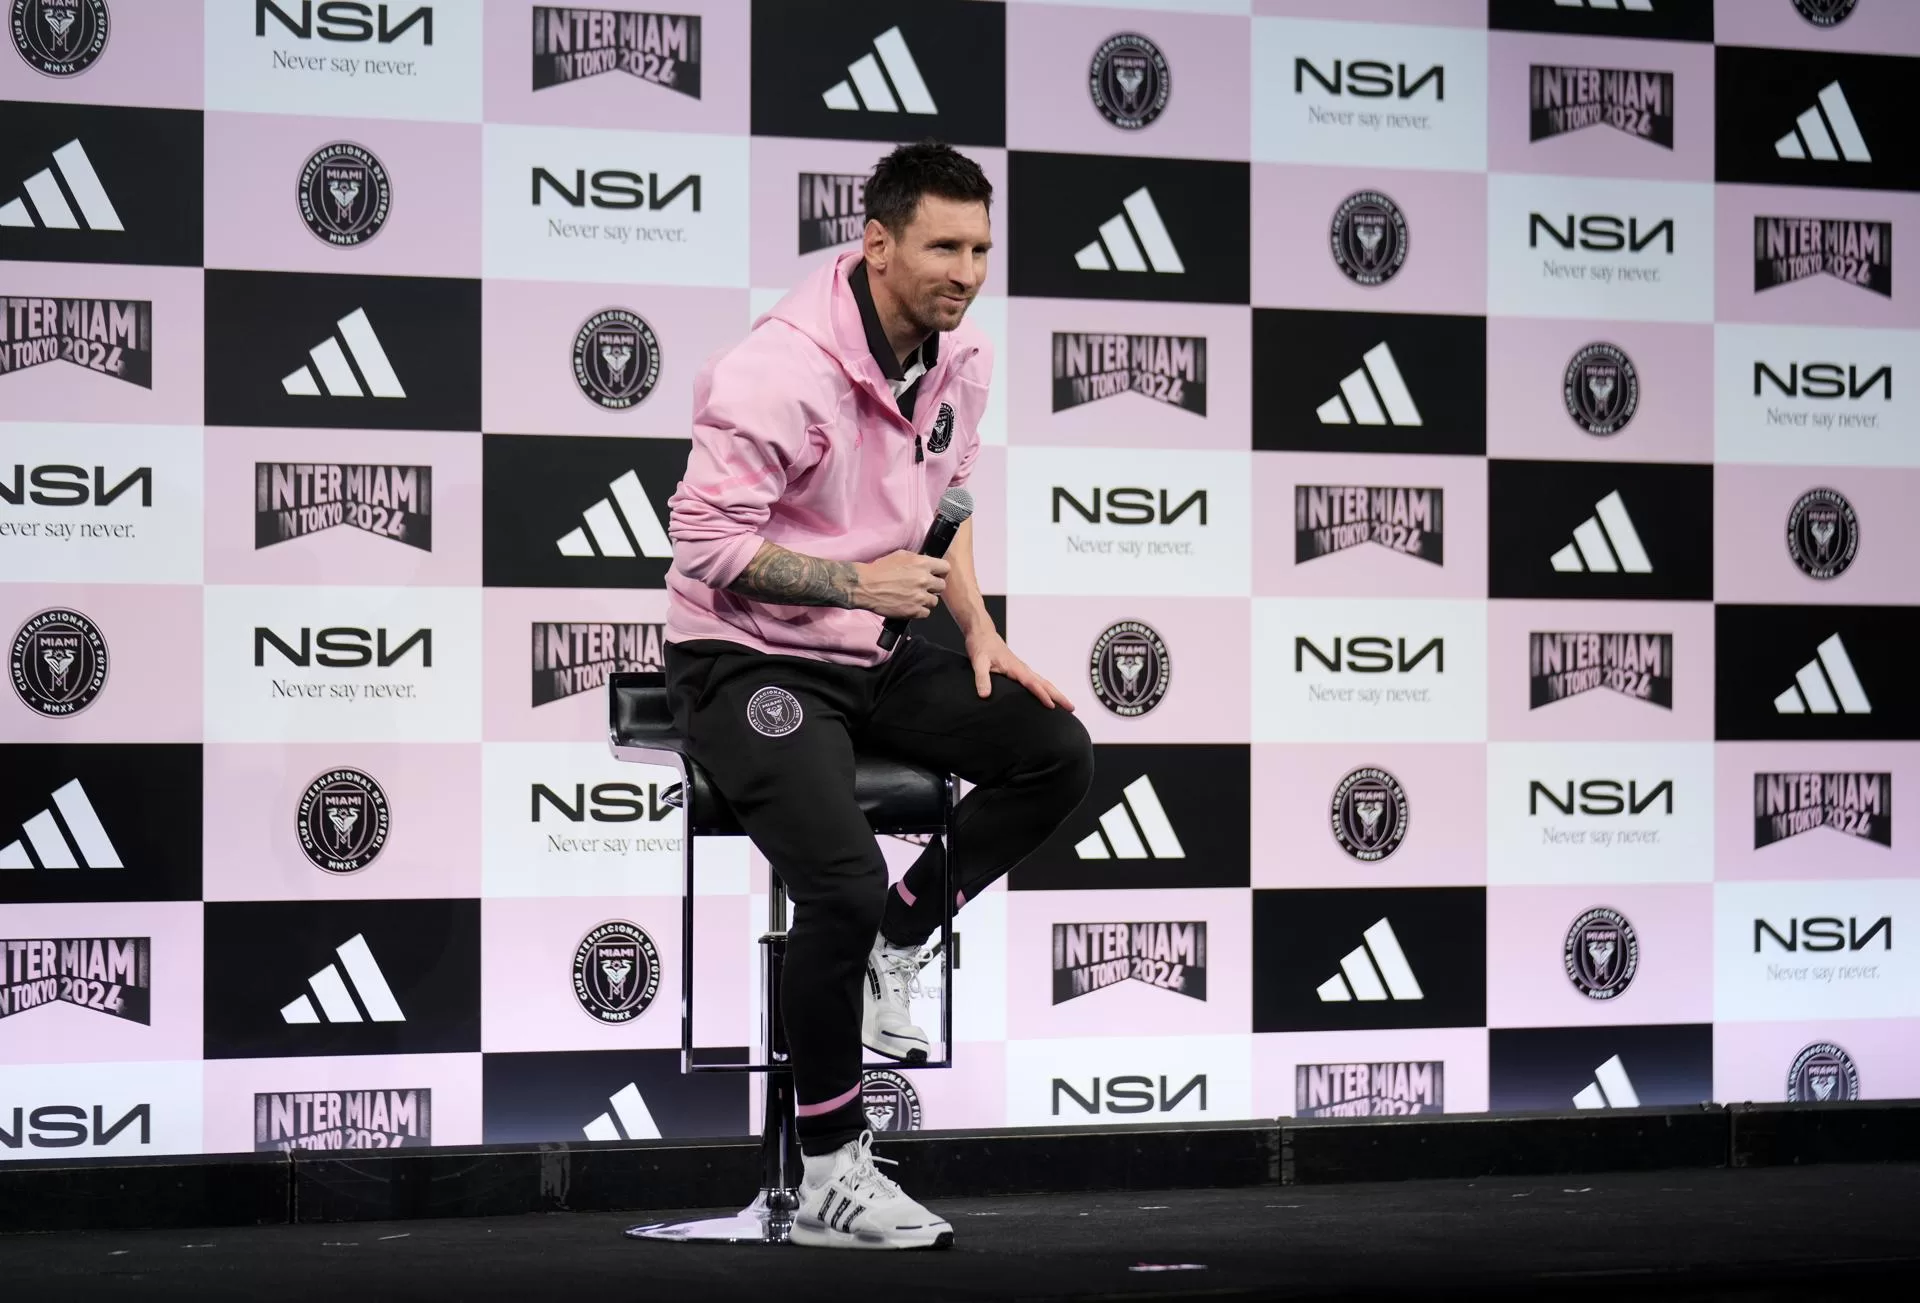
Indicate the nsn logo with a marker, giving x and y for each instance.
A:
(1370, 655)
(1601, 796)
(1132, 1094)
(345, 20)
(1598, 233)
(344, 648)
(1824, 934)
(613, 189)
(1130, 506)
(609, 802)
(65, 1126)
(1370, 79)
(1822, 380)
(69, 486)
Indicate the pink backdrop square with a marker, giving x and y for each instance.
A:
(1446, 215)
(231, 1085)
(1431, 13)
(988, 483)
(155, 58)
(62, 391)
(617, 99)
(342, 554)
(526, 974)
(252, 804)
(1599, 150)
(1371, 570)
(1751, 1059)
(153, 636)
(1446, 841)
(1871, 29)
(1126, 420)
(1209, 113)
(1750, 560)
(1821, 854)
(1601, 715)
(1140, 1009)
(1527, 982)
(1526, 373)
(774, 165)
(254, 162)
(506, 668)
(1209, 641)
(528, 327)
(1818, 300)
(1462, 1049)
(66, 1033)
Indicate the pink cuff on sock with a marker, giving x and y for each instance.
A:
(901, 887)
(815, 1110)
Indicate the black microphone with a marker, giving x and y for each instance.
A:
(955, 506)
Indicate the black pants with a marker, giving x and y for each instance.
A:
(777, 734)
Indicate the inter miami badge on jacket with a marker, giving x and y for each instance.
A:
(942, 434)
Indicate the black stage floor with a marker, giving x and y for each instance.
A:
(1780, 1233)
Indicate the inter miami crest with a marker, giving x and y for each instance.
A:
(774, 712)
(1602, 953)
(1820, 1073)
(1129, 81)
(616, 359)
(1825, 13)
(345, 194)
(343, 821)
(59, 662)
(1823, 533)
(616, 972)
(1130, 668)
(1369, 238)
(1370, 814)
(60, 38)
(941, 436)
(1601, 388)
(890, 1101)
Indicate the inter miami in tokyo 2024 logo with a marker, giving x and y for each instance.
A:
(1856, 804)
(60, 38)
(1090, 957)
(343, 821)
(1129, 81)
(890, 1101)
(59, 662)
(109, 975)
(1602, 953)
(292, 500)
(1820, 1073)
(1129, 668)
(1637, 665)
(1854, 252)
(1369, 238)
(345, 194)
(1823, 533)
(1329, 518)
(616, 358)
(1370, 814)
(1089, 366)
(616, 972)
(573, 43)
(1630, 100)
(1601, 388)
(113, 337)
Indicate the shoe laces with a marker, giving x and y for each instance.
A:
(903, 971)
(863, 1173)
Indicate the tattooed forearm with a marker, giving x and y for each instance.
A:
(789, 578)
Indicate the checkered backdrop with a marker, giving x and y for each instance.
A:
(1459, 454)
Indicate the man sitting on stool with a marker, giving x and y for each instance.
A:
(821, 444)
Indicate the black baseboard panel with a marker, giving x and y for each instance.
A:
(505, 1180)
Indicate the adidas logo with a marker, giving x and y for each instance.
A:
(1135, 829)
(908, 93)
(83, 840)
(628, 1119)
(604, 535)
(1826, 685)
(1609, 1088)
(1831, 137)
(1377, 959)
(1605, 543)
(50, 203)
(336, 996)
(1373, 395)
(1143, 246)
(338, 374)
(1641, 6)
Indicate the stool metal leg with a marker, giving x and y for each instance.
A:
(769, 1218)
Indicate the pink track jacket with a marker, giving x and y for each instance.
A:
(797, 440)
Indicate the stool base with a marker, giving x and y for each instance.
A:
(767, 1220)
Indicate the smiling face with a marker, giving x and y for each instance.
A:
(924, 279)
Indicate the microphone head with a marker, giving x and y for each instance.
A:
(955, 506)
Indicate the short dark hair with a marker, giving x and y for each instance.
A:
(926, 167)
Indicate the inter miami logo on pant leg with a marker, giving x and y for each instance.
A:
(1636, 665)
(1129, 668)
(1601, 953)
(59, 662)
(343, 821)
(1789, 249)
(1856, 804)
(571, 44)
(1370, 814)
(112, 337)
(890, 1101)
(109, 975)
(774, 712)
(616, 358)
(1090, 957)
(616, 972)
(1631, 100)
(1369, 238)
(1129, 81)
(1822, 1072)
(60, 38)
(345, 194)
(294, 499)
(1601, 388)
(1823, 533)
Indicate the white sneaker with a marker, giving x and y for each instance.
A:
(854, 1207)
(886, 1024)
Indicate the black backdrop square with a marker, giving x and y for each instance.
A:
(1541, 1069)
(535, 489)
(259, 955)
(1759, 651)
(540, 1098)
(147, 798)
(1761, 94)
(150, 163)
(1301, 935)
(261, 326)
(1533, 507)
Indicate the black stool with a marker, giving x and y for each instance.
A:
(897, 798)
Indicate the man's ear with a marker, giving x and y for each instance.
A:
(877, 243)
